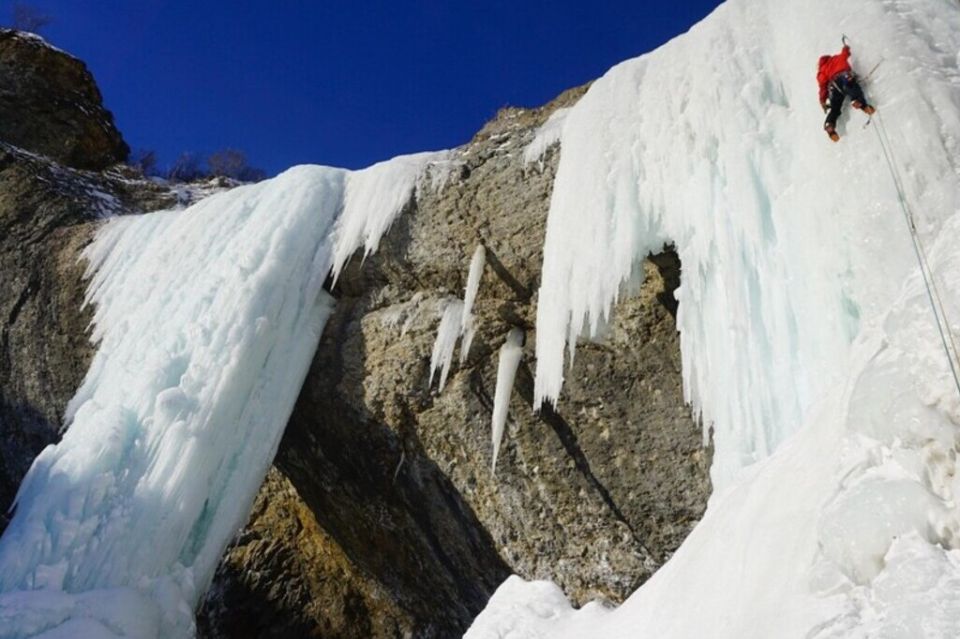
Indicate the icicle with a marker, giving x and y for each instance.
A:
(447, 334)
(510, 354)
(468, 323)
(373, 199)
(458, 321)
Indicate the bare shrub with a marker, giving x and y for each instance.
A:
(28, 18)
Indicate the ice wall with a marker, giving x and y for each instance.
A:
(206, 321)
(850, 530)
(807, 338)
(789, 244)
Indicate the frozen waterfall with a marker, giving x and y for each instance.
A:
(809, 347)
(206, 321)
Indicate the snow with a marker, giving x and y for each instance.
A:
(188, 193)
(510, 354)
(403, 315)
(808, 342)
(206, 321)
(37, 40)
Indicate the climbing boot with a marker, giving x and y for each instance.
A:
(832, 132)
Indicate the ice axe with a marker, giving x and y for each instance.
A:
(869, 75)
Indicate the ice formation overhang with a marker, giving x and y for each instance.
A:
(789, 245)
(805, 325)
(206, 321)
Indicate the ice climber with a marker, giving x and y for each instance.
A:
(837, 81)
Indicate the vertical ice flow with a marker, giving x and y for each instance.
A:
(206, 321)
(805, 324)
(383, 188)
(789, 246)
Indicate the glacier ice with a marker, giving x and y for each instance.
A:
(205, 321)
(809, 347)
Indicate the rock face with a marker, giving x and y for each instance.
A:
(382, 517)
(46, 215)
(594, 495)
(49, 104)
(320, 593)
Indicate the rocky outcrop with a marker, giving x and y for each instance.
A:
(50, 105)
(51, 119)
(320, 593)
(595, 494)
(46, 215)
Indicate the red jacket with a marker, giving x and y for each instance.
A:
(829, 67)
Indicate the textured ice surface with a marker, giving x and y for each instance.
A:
(807, 339)
(375, 196)
(789, 245)
(206, 321)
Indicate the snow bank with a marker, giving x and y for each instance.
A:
(807, 339)
(206, 321)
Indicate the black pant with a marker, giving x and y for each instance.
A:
(841, 86)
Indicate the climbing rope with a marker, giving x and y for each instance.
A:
(933, 293)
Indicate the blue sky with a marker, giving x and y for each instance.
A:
(345, 83)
